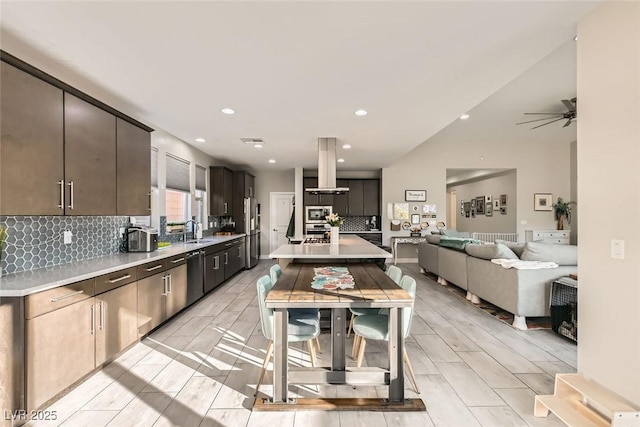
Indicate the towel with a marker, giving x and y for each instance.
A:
(524, 265)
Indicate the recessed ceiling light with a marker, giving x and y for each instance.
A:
(258, 145)
(464, 117)
(228, 111)
(361, 112)
(340, 160)
(200, 140)
(346, 146)
(575, 39)
(272, 160)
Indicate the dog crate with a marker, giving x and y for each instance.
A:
(564, 307)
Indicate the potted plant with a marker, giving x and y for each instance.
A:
(335, 221)
(562, 210)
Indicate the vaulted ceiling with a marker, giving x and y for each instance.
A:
(296, 71)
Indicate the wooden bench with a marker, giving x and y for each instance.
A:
(580, 402)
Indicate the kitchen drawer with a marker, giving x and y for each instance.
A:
(176, 260)
(214, 248)
(116, 279)
(151, 268)
(53, 299)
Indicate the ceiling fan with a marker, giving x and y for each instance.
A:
(569, 116)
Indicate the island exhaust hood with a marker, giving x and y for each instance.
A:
(327, 169)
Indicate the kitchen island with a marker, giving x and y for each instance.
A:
(350, 248)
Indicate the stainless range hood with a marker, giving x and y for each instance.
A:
(327, 169)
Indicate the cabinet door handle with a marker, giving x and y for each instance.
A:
(216, 264)
(56, 299)
(175, 261)
(61, 184)
(170, 282)
(239, 252)
(225, 207)
(93, 319)
(101, 315)
(164, 286)
(126, 276)
(226, 258)
(70, 184)
(154, 268)
(149, 202)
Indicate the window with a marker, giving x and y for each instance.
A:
(201, 195)
(177, 194)
(177, 207)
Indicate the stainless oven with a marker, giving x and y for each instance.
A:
(318, 228)
(317, 214)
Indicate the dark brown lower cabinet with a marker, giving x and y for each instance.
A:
(59, 350)
(116, 321)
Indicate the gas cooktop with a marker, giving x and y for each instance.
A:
(317, 240)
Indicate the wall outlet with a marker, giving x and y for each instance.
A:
(121, 231)
(67, 235)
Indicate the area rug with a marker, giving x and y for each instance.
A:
(500, 314)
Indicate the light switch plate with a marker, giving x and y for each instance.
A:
(617, 249)
(67, 235)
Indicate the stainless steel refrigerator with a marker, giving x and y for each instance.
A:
(252, 240)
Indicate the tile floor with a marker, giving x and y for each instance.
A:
(200, 369)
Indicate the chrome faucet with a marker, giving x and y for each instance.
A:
(184, 231)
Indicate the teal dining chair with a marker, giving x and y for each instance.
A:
(275, 272)
(376, 327)
(395, 273)
(303, 326)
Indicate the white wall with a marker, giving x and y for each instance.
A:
(609, 192)
(495, 186)
(492, 141)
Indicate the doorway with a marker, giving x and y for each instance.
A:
(281, 209)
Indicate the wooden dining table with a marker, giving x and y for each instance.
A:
(373, 289)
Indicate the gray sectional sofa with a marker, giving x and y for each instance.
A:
(524, 293)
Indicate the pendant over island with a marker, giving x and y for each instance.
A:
(350, 248)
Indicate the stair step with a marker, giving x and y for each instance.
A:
(604, 400)
(572, 412)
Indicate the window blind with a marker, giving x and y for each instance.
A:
(178, 173)
(201, 178)
(154, 167)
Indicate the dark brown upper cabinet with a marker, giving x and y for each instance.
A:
(90, 158)
(133, 169)
(341, 201)
(356, 197)
(32, 145)
(371, 195)
(221, 186)
(59, 150)
(243, 187)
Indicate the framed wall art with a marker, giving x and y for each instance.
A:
(480, 205)
(503, 200)
(542, 202)
(415, 195)
(488, 209)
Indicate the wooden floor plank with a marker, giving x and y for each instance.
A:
(341, 404)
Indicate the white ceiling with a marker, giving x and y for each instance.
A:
(296, 71)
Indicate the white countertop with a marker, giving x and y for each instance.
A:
(29, 282)
(350, 246)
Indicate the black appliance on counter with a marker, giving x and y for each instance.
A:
(139, 239)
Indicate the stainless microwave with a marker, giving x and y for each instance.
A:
(317, 214)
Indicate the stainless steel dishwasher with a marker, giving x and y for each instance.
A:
(195, 276)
